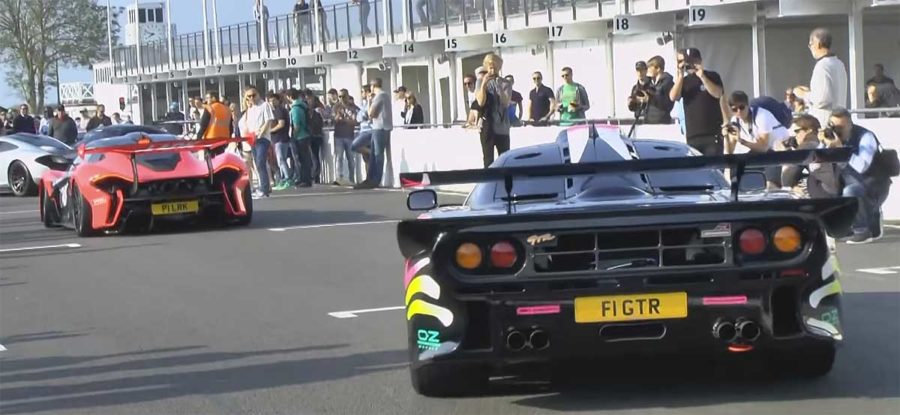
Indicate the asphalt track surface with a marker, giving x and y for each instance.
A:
(236, 320)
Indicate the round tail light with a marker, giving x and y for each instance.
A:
(787, 239)
(503, 255)
(468, 256)
(752, 241)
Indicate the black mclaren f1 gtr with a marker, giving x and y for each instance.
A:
(598, 246)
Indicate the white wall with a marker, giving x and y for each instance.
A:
(727, 51)
(627, 51)
(587, 58)
(346, 76)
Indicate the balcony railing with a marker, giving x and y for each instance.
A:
(353, 24)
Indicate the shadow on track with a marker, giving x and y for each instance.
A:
(867, 365)
(32, 337)
(154, 387)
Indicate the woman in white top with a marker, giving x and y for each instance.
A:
(757, 130)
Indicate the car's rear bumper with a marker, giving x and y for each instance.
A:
(790, 312)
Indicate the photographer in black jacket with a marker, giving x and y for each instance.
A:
(640, 92)
(659, 106)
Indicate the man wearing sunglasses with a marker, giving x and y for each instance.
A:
(755, 128)
(821, 180)
(257, 121)
(573, 99)
(542, 102)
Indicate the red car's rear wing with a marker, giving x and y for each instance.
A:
(145, 145)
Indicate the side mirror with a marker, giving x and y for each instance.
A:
(753, 181)
(422, 200)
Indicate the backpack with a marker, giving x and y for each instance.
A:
(314, 122)
(781, 112)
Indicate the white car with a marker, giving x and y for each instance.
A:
(25, 157)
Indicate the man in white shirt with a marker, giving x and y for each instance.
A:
(828, 86)
(399, 102)
(755, 128)
(257, 121)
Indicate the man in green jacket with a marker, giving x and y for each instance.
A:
(300, 138)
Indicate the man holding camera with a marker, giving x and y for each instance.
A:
(863, 178)
(701, 91)
(755, 128)
(821, 180)
(640, 92)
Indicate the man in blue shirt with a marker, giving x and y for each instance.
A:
(861, 178)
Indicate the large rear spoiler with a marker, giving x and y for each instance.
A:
(145, 145)
(736, 163)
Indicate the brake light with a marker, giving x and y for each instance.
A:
(787, 239)
(503, 255)
(752, 241)
(468, 256)
(143, 141)
(80, 150)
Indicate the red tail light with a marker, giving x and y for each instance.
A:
(80, 150)
(503, 255)
(752, 241)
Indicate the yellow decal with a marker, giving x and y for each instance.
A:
(419, 307)
(423, 284)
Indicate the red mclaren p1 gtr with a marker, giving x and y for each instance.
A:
(136, 180)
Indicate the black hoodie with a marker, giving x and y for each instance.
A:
(660, 106)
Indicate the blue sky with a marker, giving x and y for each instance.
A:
(187, 16)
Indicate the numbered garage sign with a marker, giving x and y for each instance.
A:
(502, 39)
(632, 25)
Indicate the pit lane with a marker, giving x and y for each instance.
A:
(237, 320)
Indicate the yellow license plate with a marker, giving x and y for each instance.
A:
(174, 208)
(631, 307)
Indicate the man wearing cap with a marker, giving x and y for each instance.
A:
(701, 91)
(400, 95)
(174, 116)
(63, 127)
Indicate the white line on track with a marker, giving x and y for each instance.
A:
(881, 271)
(892, 226)
(35, 248)
(333, 225)
(353, 313)
(2, 349)
(19, 211)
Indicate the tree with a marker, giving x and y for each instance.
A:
(37, 36)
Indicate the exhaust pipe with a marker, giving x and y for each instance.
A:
(539, 340)
(724, 330)
(748, 330)
(515, 341)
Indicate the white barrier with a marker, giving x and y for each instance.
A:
(457, 148)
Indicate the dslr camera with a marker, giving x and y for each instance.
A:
(829, 132)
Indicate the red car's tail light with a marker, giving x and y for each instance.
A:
(468, 256)
(787, 239)
(752, 241)
(503, 255)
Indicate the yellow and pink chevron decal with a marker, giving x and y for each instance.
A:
(427, 286)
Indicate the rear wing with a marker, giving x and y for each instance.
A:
(144, 145)
(736, 163)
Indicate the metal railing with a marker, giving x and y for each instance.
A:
(351, 24)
